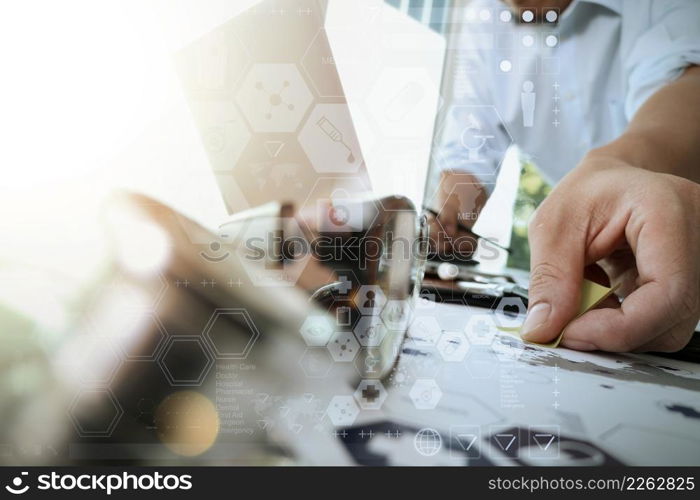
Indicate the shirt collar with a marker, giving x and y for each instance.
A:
(614, 5)
(569, 15)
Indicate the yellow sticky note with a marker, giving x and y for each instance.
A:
(592, 294)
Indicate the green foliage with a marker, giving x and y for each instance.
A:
(532, 189)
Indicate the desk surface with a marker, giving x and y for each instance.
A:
(512, 403)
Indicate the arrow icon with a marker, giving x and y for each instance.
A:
(501, 439)
(547, 439)
(466, 441)
(274, 148)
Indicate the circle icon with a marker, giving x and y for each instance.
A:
(528, 16)
(427, 442)
(505, 66)
(551, 41)
(505, 16)
(551, 16)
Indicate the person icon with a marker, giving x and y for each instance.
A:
(370, 300)
(527, 101)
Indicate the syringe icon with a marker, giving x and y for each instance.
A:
(335, 135)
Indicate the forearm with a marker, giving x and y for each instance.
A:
(664, 135)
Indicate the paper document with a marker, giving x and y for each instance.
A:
(592, 294)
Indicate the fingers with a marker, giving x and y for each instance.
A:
(671, 340)
(557, 247)
(643, 314)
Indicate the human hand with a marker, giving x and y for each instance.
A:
(642, 228)
(458, 201)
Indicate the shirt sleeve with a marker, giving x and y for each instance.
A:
(670, 44)
(472, 137)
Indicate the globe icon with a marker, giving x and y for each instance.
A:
(427, 442)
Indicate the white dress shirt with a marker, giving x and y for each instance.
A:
(558, 89)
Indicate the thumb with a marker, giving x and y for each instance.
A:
(557, 252)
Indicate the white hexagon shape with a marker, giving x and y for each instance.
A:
(402, 102)
(370, 331)
(470, 136)
(342, 410)
(317, 330)
(266, 260)
(425, 394)
(370, 299)
(329, 140)
(424, 330)
(343, 346)
(274, 97)
(316, 62)
(507, 349)
(223, 132)
(95, 412)
(185, 361)
(316, 362)
(510, 312)
(227, 343)
(370, 394)
(346, 189)
(453, 346)
(396, 314)
(367, 364)
(481, 329)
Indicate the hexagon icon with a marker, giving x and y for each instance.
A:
(95, 412)
(453, 346)
(185, 361)
(473, 137)
(396, 314)
(342, 410)
(343, 347)
(510, 312)
(370, 331)
(370, 299)
(402, 102)
(425, 394)
(368, 362)
(329, 140)
(481, 329)
(274, 97)
(231, 333)
(316, 61)
(370, 394)
(223, 132)
(424, 330)
(327, 192)
(317, 330)
(316, 362)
